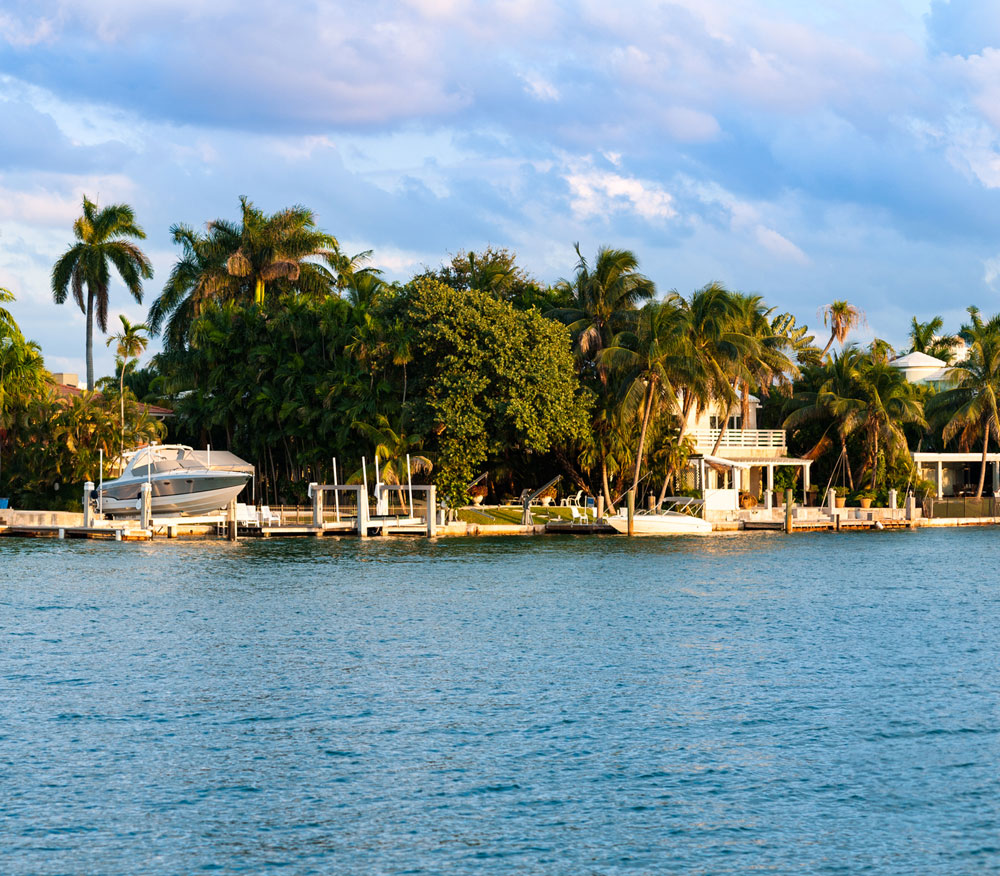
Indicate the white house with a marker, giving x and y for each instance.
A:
(744, 460)
(921, 368)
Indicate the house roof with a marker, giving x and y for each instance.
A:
(917, 360)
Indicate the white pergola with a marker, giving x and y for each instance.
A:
(766, 465)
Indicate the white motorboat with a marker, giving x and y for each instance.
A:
(675, 517)
(183, 481)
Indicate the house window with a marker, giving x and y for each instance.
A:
(715, 422)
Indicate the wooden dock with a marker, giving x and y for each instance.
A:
(117, 533)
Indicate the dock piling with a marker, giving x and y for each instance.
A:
(788, 510)
(88, 512)
(431, 511)
(630, 498)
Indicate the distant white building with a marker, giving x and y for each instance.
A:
(921, 368)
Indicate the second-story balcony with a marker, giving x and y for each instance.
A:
(755, 439)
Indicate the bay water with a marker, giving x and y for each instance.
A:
(817, 703)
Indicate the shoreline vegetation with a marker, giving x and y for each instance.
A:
(287, 351)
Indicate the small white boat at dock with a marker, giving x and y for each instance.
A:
(676, 517)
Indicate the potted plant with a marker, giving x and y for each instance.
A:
(478, 493)
(546, 496)
(840, 498)
(865, 498)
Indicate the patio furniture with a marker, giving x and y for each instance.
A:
(571, 501)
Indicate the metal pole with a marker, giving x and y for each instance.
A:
(336, 493)
(100, 494)
(409, 482)
(630, 498)
(208, 456)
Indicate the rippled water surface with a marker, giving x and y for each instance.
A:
(814, 704)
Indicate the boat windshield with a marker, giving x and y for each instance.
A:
(154, 460)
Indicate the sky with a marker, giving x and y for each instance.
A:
(805, 152)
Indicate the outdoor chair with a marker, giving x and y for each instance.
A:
(571, 501)
(267, 518)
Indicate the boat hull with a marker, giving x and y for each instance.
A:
(183, 493)
(669, 523)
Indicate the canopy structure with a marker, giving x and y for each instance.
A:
(755, 475)
(954, 473)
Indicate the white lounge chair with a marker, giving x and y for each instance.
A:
(578, 515)
(267, 518)
(571, 501)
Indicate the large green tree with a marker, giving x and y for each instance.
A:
(105, 238)
(492, 378)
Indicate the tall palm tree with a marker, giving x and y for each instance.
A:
(263, 249)
(604, 299)
(646, 356)
(842, 318)
(880, 403)
(970, 409)
(104, 237)
(131, 343)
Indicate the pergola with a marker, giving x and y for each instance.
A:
(765, 466)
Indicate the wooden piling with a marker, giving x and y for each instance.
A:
(431, 511)
(630, 498)
(788, 510)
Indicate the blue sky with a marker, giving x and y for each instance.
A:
(845, 150)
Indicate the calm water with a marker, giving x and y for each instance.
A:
(814, 704)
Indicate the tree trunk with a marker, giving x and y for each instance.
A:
(826, 349)
(606, 487)
(685, 413)
(90, 338)
(982, 467)
(650, 390)
(745, 405)
(718, 439)
(258, 292)
(847, 463)
(121, 394)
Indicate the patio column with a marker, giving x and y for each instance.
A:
(769, 491)
(805, 481)
(940, 478)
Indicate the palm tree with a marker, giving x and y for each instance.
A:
(647, 356)
(103, 237)
(264, 249)
(926, 337)
(841, 317)
(604, 299)
(131, 343)
(880, 402)
(970, 409)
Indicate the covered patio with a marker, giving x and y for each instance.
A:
(731, 475)
(957, 474)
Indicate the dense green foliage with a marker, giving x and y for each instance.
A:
(289, 352)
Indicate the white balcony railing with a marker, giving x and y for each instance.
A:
(705, 439)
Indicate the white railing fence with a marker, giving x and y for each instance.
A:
(705, 439)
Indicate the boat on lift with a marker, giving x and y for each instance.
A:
(675, 517)
(183, 481)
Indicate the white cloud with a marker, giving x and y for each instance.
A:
(596, 192)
